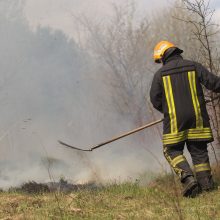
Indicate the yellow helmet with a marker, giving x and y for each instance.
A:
(160, 49)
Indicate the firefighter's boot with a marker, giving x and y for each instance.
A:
(205, 182)
(204, 176)
(190, 187)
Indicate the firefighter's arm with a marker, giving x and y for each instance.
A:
(156, 92)
(208, 79)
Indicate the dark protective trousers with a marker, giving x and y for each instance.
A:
(200, 159)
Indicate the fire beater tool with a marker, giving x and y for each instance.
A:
(91, 148)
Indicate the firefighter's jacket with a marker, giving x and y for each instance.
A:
(177, 92)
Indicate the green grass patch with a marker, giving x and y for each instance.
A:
(161, 199)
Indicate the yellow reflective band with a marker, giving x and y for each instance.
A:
(199, 135)
(202, 167)
(176, 135)
(170, 103)
(192, 131)
(175, 140)
(175, 130)
(196, 105)
(199, 130)
(177, 170)
(184, 138)
(177, 160)
(190, 134)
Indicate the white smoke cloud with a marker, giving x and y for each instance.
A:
(49, 90)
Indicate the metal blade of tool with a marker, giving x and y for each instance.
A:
(75, 148)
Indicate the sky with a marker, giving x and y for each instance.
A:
(59, 14)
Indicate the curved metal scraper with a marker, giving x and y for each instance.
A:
(75, 148)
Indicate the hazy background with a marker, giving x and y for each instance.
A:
(51, 88)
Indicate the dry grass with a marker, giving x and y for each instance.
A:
(160, 200)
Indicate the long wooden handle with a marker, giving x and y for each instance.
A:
(114, 138)
(127, 133)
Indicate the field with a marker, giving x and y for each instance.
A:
(161, 199)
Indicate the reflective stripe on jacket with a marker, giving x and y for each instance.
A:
(176, 92)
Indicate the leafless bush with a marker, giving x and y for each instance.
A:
(206, 33)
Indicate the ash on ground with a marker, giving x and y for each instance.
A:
(63, 186)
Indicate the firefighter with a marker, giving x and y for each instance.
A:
(176, 91)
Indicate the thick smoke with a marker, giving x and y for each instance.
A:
(50, 90)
